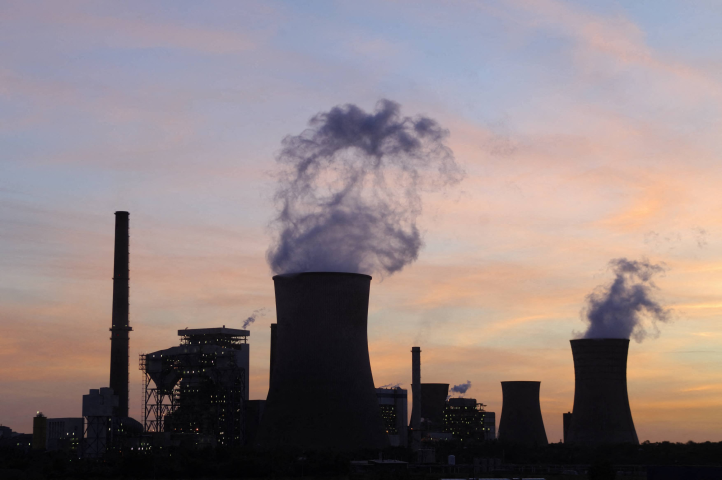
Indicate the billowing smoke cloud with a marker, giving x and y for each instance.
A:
(619, 310)
(461, 389)
(256, 313)
(349, 193)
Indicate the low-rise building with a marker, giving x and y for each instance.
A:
(393, 403)
(64, 434)
(466, 419)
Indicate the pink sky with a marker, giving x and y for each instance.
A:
(587, 132)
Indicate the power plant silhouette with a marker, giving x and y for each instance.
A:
(321, 390)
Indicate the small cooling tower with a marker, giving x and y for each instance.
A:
(433, 403)
(322, 394)
(601, 412)
(521, 418)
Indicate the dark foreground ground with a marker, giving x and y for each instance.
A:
(513, 461)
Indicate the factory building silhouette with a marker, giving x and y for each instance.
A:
(393, 403)
(321, 390)
(200, 387)
(466, 419)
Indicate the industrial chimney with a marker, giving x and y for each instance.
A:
(416, 397)
(601, 412)
(322, 393)
(521, 419)
(120, 327)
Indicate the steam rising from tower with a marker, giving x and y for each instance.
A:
(350, 190)
(617, 311)
(119, 341)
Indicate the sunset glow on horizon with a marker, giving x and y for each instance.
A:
(587, 131)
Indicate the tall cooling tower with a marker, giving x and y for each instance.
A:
(601, 412)
(322, 394)
(521, 418)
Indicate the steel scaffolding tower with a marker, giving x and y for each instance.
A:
(156, 403)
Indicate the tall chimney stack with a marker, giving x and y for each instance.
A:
(120, 328)
(416, 395)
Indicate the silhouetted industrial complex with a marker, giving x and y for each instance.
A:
(321, 391)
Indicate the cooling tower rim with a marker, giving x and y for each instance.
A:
(518, 382)
(589, 340)
(293, 275)
(122, 212)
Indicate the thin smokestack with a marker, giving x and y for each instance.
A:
(416, 393)
(119, 340)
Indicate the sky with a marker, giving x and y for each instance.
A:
(588, 131)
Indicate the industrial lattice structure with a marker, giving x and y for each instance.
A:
(200, 386)
(158, 403)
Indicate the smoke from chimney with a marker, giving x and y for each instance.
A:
(619, 310)
(256, 313)
(349, 192)
(391, 385)
(461, 389)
